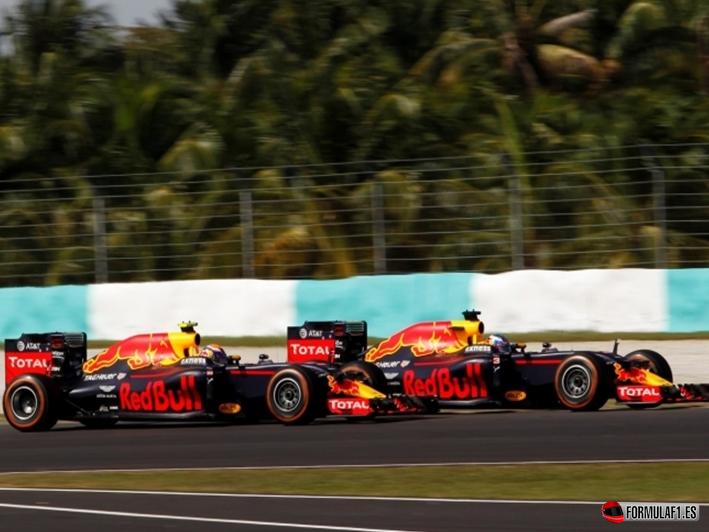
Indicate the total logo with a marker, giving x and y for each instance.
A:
(308, 350)
(349, 406)
(27, 363)
(649, 394)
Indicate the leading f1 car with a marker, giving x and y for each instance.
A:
(454, 362)
(168, 376)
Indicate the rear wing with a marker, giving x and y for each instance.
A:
(333, 342)
(59, 355)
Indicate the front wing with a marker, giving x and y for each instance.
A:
(650, 395)
(392, 404)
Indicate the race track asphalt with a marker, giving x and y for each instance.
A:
(495, 436)
(198, 514)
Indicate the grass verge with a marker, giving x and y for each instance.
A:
(688, 482)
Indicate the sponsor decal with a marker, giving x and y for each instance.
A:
(389, 364)
(349, 406)
(107, 389)
(141, 352)
(193, 361)
(421, 339)
(28, 346)
(105, 396)
(100, 377)
(346, 386)
(229, 408)
(643, 394)
(57, 353)
(121, 376)
(34, 363)
(478, 349)
(496, 360)
(303, 333)
(158, 398)
(304, 350)
(515, 396)
(445, 386)
(635, 375)
(405, 363)
(390, 376)
(28, 363)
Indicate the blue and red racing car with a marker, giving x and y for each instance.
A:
(168, 376)
(455, 362)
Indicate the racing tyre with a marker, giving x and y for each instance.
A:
(371, 374)
(31, 403)
(580, 384)
(290, 396)
(656, 364)
(100, 423)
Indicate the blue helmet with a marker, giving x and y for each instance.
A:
(499, 343)
(215, 352)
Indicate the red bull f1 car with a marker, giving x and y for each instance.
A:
(454, 362)
(167, 376)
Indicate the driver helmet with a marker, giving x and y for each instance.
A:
(499, 343)
(215, 352)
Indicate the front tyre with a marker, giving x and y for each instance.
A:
(31, 403)
(579, 383)
(366, 372)
(290, 396)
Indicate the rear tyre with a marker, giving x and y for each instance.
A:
(656, 364)
(290, 396)
(96, 424)
(31, 403)
(579, 383)
(369, 374)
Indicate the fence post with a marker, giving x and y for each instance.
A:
(246, 213)
(100, 251)
(516, 215)
(651, 161)
(378, 229)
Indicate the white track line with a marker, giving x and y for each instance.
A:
(195, 519)
(358, 466)
(307, 497)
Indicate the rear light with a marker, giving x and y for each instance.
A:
(339, 329)
(56, 342)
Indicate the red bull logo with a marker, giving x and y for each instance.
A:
(157, 398)
(346, 387)
(443, 385)
(635, 375)
(423, 339)
(143, 351)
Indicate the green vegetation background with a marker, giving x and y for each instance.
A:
(142, 116)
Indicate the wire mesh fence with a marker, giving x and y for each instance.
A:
(632, 206)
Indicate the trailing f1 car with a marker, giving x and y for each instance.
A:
(167, 376)
(453, 361)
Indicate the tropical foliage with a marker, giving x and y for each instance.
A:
(329, 138)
